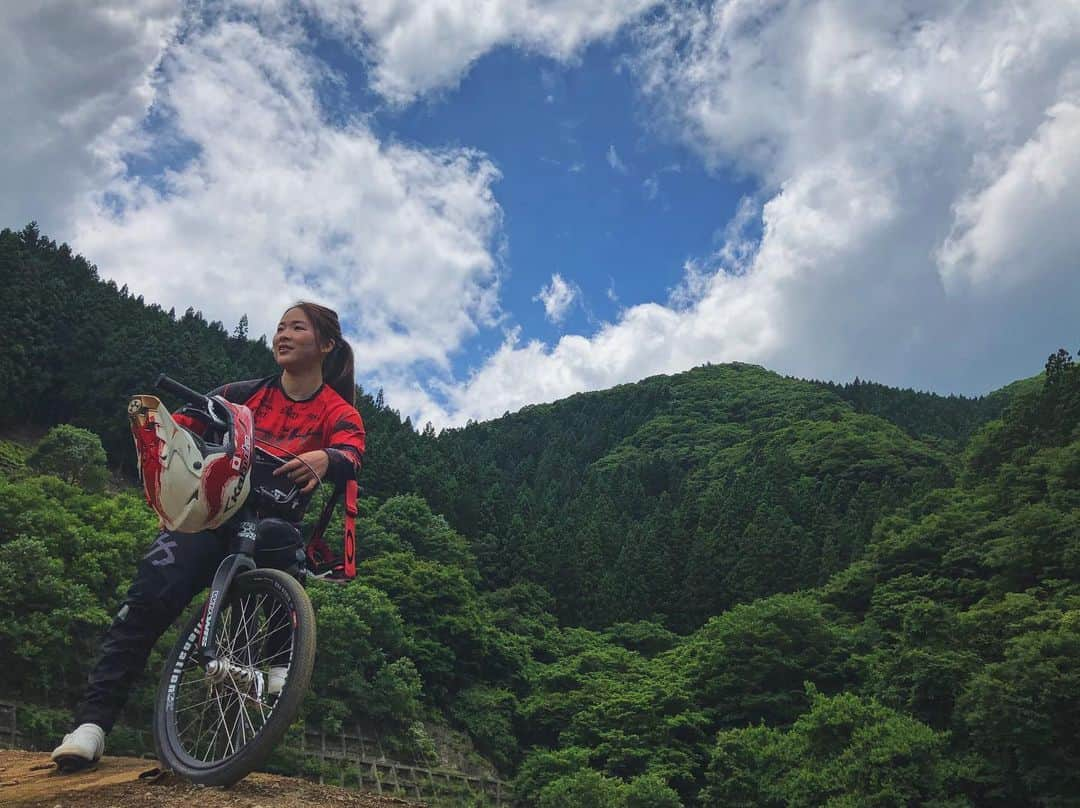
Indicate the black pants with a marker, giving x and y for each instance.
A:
(176, 567)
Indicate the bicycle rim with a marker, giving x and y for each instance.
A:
(211, 719)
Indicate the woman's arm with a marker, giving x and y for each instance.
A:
(345, 444)
(339, 461)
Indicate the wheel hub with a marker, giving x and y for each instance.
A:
(221, 670)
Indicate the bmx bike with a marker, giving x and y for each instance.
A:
(235, 679)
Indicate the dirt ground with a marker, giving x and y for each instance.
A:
(30, 780)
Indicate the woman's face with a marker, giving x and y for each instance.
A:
(295, 345)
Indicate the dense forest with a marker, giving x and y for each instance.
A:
(722, 587)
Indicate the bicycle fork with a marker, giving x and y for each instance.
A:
(241, 559)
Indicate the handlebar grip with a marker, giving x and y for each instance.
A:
(181, 391)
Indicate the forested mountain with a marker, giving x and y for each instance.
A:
(951, 419)
(684, 494)
(722, 587)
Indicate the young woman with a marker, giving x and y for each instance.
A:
(306, 412)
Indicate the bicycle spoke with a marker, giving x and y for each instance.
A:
(243, 710)
(213, 739)
(220, 730)
(265, 660)
(239, 732)
(265, 653)
(193, 682)
(250, 622)
(201, 718)
(225, 634)
(266, 633)
(187, 707)
(239, 712)
(262, 711)
(225, 727)
(265, 629)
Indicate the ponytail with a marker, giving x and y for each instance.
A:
(337, 367)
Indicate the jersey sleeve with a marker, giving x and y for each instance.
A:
(345, 443)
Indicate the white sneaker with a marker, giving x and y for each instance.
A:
(275, 681)
(81, 748)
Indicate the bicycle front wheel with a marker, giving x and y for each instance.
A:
(216, 726)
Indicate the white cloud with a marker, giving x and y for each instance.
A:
(76, 78)
(271, 201)
(651, 186)
(615, 161)
(874, 128)
(557, 297)
(914, 221)
(918, 196)
(1034, 201)
(421, 45)
(279, 203)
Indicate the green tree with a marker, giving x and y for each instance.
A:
(749, 664)
(846, 751)
(488, 714)
(74, 455)
(1021, 714)
(240, 333)
(582, 789)
(363, 670)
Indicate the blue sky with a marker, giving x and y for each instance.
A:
(549, 128)
(516, 201)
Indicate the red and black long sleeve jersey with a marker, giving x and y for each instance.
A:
(286, 427)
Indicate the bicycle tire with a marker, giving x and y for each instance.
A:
(284, 591)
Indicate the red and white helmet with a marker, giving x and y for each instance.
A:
(191, 483)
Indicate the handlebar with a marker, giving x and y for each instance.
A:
(181, 391)
(186, 394)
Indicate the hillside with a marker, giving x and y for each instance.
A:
(949, 419)
(937, 669)
(683, 494)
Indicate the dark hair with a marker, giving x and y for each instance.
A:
(337, 365)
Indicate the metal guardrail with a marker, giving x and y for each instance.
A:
(361, 758)
(10, 736)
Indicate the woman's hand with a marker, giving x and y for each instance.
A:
(300, 469)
